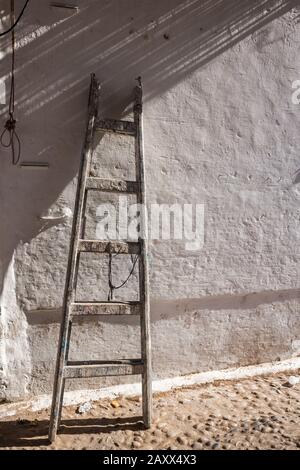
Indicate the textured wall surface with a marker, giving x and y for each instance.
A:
(220, 130)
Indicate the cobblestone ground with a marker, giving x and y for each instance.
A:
(257, 413)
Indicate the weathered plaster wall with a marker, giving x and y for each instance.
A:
(220, 129)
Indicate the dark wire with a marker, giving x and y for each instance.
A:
(16, 22)
(9, 137)
(112, 287)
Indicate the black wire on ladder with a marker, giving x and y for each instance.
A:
(9, 137)
(113, 287)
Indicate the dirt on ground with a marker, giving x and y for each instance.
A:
(257, 413)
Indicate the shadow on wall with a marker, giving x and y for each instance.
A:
(118, 40)
(161, 308)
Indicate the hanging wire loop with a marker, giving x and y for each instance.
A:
(10, 139)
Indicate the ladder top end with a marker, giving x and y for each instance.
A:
(139, 80)
(95, 82)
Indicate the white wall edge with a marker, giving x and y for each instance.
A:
(41, 402)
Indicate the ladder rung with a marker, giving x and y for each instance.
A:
(116, 126)
(97, 246)
(121, 186)
(84, 369)
(105, 308)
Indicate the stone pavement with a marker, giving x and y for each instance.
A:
(256, 413)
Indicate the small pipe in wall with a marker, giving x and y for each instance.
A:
(34, 165)
(67, 6)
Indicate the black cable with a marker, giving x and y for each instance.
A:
(17, 20)
(9, 137)
(112, 287)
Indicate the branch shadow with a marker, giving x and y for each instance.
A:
(118, 40)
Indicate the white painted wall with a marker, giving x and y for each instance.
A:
(220, 129)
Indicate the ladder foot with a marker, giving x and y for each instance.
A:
(147, 424)
(51, 437)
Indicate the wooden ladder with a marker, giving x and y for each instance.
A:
(66, 369)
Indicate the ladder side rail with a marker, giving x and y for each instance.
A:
(143, 264)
